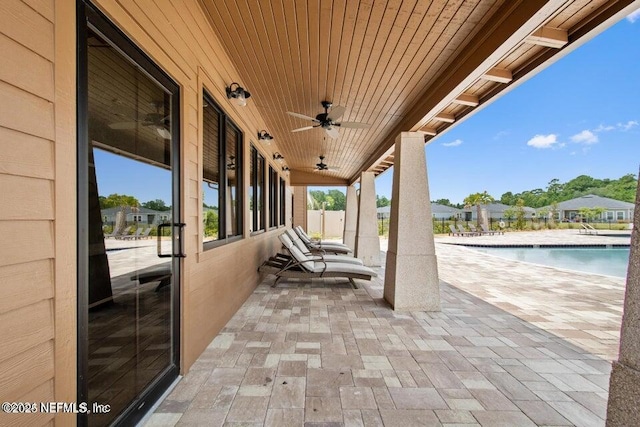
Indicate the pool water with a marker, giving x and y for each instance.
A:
(611, 262)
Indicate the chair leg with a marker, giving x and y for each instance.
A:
(353, 283)
(275, 282)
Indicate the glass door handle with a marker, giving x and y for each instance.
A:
(179, 237)
(160, 228)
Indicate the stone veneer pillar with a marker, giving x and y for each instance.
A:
(351, 218)
(411, 272)
(624, 386)
(367, 240)
(300, 206)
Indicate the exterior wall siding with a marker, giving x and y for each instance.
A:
(27, 223)
(38, 173)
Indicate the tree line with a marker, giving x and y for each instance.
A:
(623, 188)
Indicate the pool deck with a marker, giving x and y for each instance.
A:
(515, 344)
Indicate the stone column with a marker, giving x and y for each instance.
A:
(411, 272)
(367, 240)
(624, 385)
(351, 218)
(300, 206)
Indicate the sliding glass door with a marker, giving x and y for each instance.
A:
(129, 226)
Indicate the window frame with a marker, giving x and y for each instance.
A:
(282, 205)
(225, 124)
(258, 223)
(273, 197)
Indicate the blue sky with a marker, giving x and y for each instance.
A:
(580, 115)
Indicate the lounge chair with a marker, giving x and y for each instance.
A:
(464, 232)
(124, 233)
(133, 236)
(484, 228)
(587, 229)
(144, 234)
(318, 247)
(453, 232)
(482, 232)
(306, 238)
(288, 243)
(303, 267)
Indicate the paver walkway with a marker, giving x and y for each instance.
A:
(319, 353)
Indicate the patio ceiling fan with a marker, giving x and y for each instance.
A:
(327, 120)
(157, 121)
(322, 166)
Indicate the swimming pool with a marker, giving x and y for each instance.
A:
(609, 261)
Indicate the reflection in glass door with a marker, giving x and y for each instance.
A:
(131, 236)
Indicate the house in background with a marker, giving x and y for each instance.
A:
(140, 215)
(439, 211)
(615, 210)
(495, 211)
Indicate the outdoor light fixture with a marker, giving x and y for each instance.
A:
(264, 137)
(239, 94)
(278, 157)
(285, 168)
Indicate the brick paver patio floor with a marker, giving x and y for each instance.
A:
(514, 345)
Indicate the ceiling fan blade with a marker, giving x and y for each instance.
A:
(354, 125)
(304, 128)
(336, 112)
(163, 132)
(332, 132)
(123, 125)
(301, 116)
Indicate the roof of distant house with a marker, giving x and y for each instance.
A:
(498, 207)
(592, 201)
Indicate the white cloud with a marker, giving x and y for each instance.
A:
(603, 128)
(634, 16)
(543, 141)
(628, 125)
(585, 137)
(501, 134)
(453, 143)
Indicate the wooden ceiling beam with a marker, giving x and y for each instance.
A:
(499, 75)
(297, 177)
(466, 99)
(549, 37)
(428, 131)
(508, 27)
(444, 117)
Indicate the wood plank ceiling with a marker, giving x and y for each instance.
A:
(398, 65)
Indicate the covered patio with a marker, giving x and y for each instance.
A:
(501, 352)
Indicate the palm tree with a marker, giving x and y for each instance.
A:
(478, 199)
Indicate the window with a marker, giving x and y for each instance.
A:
(221, 175)
(273, 197)
(283, 201)
(256, 189)
(137, 218)
(620, 215)
(609, 216)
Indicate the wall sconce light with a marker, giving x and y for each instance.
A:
(239, 94)
(285, 168)
(264, 137)
(278, 157)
